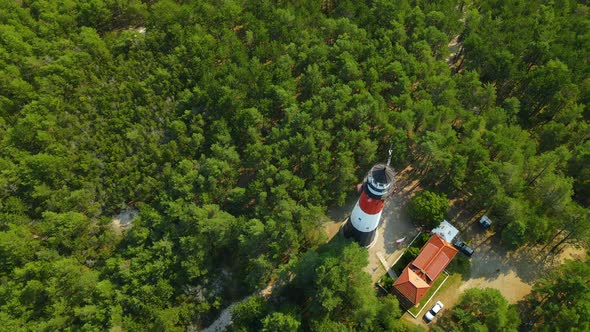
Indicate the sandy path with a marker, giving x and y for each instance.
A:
(394, 225)
(224, 319)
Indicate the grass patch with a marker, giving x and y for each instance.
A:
(452, 283)
(416, 309)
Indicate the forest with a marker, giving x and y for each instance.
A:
(232, 126)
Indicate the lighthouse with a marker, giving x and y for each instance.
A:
(366, 214)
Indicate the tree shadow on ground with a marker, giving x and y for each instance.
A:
(397, 224)
(492, 258)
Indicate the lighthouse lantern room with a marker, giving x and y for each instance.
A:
(366, 214)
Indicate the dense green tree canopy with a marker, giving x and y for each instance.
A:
(428, 208)
(481, 310)
(561, 300)
(230, 127)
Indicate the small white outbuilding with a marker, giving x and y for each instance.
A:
(447, 231)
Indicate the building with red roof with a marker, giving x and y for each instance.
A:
(416, 279)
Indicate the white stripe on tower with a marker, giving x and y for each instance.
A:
(366, 214)
(365, 222)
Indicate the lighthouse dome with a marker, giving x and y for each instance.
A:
(380, 181)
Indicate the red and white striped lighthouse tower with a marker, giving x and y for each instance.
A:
(366, 214)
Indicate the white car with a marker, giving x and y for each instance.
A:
(429, 316)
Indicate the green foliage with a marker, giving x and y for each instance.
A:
(389, 314)
(387, 281)
(560, 300)
(231, 126)
(71, 290)
(249, 314)
(428, 208)
(515, 234)
(277, 322)
(579, 170)
(334, 291)
(461, 264)
(421, 241)
(482, 310)
(17, 246)
(406, 258)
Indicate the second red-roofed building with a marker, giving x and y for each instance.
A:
(416, 279)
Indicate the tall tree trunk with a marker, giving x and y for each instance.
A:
(561, 242)
(551, 241)
(459, 66)
(537, 176)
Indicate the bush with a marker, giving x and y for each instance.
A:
(461, 265)
(421, 240)
(387, 282)
(406, 258)
(514, 235)
(428, 208)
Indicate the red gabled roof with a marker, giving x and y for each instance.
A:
(410, 285)
(417, 277)
(434, 257)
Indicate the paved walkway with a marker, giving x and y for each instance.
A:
(394, 226)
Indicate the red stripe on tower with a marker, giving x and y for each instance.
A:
(370, 205)
(366, 214)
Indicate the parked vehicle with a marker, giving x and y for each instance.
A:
(485, 222)
(463, 247)
(429, 315)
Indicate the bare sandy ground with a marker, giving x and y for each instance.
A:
(516, 275)
(394, 225)
(124, 219)
(492, 266)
